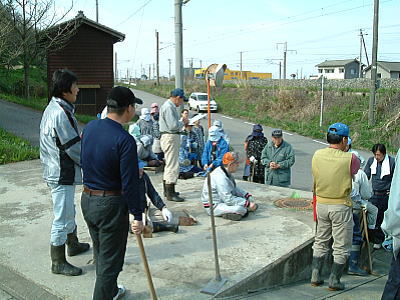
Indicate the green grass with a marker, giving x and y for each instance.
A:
(14, 149)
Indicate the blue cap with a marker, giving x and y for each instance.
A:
(339, 129)
(178, 93)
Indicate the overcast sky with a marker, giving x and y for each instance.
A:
(216, 31)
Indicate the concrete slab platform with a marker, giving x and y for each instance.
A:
(181, 264)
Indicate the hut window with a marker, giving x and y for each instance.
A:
(86, 96)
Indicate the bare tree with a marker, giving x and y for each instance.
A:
(35, 31)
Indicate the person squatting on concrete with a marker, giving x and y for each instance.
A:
(360, 193)
(112, 189)
(60, 149)
(278, 158)
(255, 145)
(157, 212)
(145, 151)
(155, 116)
(230, 201)
(332, 170)
(170, 128)
(391, 226)
(214, 150)
(188, 153)
(380, 169)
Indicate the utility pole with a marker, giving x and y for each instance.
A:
(158, 57)
(115, 67)
(374, 64)
(241, 65)
(285, 51)
(97, 11)
(201, 64)
(361, 45)
(178, 44)
(169, 69)
(149, 71)
(280, 70)
(154, 70)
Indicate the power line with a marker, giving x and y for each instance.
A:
(135, 12)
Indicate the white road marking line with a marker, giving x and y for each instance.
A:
(249, 123)
(287, 133)
(227, 117)
(321, 142)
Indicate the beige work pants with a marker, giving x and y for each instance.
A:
(170, 147)
(334, 221)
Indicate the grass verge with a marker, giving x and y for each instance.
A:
(14, 149)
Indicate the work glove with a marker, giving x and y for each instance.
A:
(194, 145)
(253, 160)
(167, 215)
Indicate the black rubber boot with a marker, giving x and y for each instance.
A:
(354, 269)
(334, 278)
(59, 264)
(171, 196)
(316, 269)
(74, 247)
(158, 226)
(165, 190)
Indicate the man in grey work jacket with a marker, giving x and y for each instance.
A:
(278, 158)
(60, 148)
(170, 128)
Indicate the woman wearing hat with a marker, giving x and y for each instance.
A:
(255, 145)
(214, 149)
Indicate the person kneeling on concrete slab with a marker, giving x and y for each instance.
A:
(158, 215)
(230, 201)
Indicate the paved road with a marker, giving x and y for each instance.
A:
(238, 130)
(25, 122)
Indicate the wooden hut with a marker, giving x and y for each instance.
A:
(88, 52)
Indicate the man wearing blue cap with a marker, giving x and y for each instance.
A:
(333, 169)
(170, 128)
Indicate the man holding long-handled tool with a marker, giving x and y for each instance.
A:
(111, 189)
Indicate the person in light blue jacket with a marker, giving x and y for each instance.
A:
(214, 149)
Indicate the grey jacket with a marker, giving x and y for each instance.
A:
(60, 144)
(169, 118)
(284, 156)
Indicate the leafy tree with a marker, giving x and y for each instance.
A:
(32, 32)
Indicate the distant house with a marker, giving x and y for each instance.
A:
(89, 54)
(386, 69)
(339, 69)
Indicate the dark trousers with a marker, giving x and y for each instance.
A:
(381, 202)
(392, 287)
(357, 235)
(108, 222)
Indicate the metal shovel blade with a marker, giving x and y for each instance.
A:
(214, 286)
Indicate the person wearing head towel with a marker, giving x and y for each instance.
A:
(214, 149)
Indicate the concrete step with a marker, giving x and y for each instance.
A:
(357, 287)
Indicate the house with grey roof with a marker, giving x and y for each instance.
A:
(339, 69)
(386, 69)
